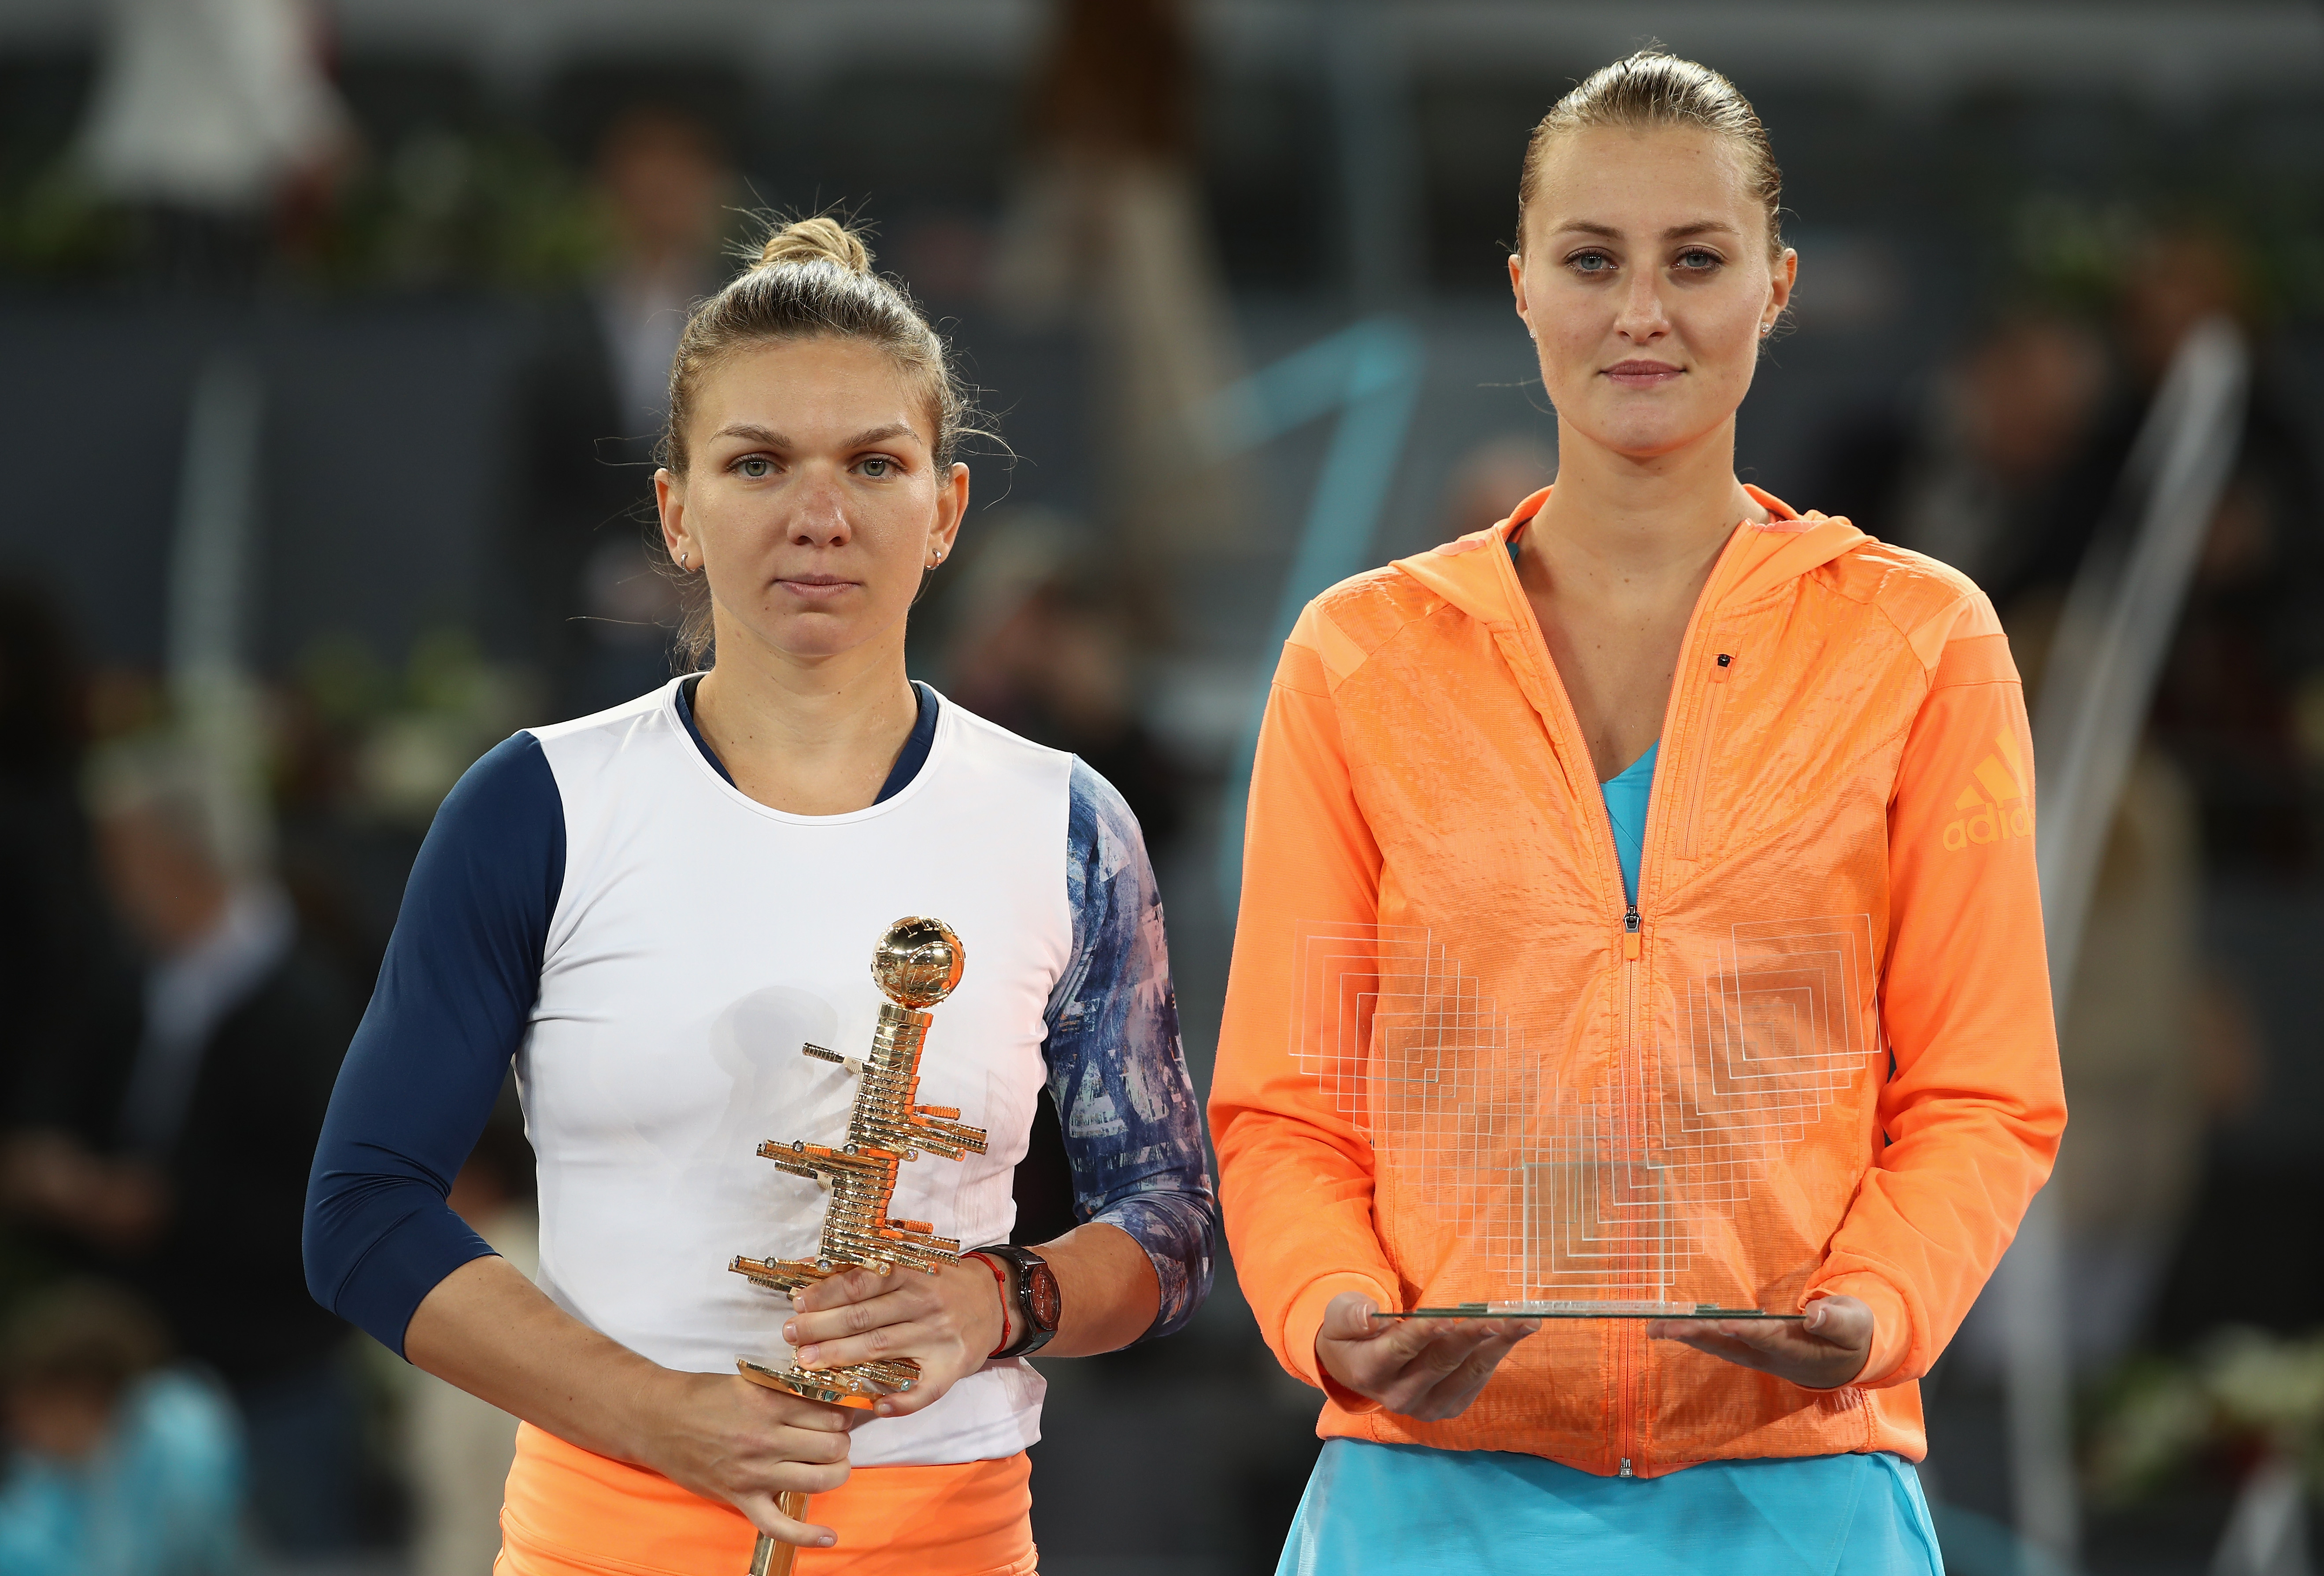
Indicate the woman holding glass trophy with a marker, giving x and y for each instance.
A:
(654, 912)
(1639, 969)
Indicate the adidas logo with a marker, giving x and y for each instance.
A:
(1985, 818)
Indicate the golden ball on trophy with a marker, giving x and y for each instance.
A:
(918, 962)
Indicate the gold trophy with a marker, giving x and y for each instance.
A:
(916, 964)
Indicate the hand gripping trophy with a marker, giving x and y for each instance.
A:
(916, 964)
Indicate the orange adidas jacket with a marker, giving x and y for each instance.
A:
(1825, 1027)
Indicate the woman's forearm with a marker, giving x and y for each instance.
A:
(492, 1332)
(1107, 1292)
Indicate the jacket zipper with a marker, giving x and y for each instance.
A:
(1632, 1370)
(1629, 1344)
(1631, 1366)
(1699, 783)
(1629, 1071)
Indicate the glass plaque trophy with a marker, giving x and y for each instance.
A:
(1570, 1192)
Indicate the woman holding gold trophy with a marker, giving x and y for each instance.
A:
(656, 911)
(1640, 968)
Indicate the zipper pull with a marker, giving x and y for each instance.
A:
(1630, 936)
(1625, 1468)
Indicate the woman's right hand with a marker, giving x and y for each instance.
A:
(728, 1439)
(1427, 1368)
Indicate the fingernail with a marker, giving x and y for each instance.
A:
(790, 1336)
(806, 1355)
(826, 1540)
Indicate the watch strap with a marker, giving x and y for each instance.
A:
(1025, 1262)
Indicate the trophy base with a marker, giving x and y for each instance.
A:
(1576, 1309)
(859, 1385)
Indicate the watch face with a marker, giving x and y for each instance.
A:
(1041, 1296)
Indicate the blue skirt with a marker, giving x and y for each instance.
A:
(1374, 1509)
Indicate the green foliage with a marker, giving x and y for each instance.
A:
(442, 209)
(2245, 1394)
(2079, 253)
(55, 227)
(2072, 251)
(406, 737)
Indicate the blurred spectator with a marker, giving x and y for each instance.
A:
(361, 755)
(121, 1467)
(2012, 475)
(1035, 646)
(2253, 631)
(207, 116)
(2133, 1057)
(593, 405)
(668, 181)
(2138, 1046)
(456, 1448)
(1107, 228)
(61, 970)
(2247, 661)
(178, 1160)
(1042, 649)
(2004, 449)
(1975, 476)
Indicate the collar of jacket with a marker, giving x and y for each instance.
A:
(1757, 559)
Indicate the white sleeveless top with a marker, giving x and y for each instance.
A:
(700, 937)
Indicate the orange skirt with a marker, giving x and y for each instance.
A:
(570, 1512)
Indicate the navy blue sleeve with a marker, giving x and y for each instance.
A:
(1133, 1130)
(462, 973)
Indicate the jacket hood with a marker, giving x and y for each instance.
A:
(1757, 559)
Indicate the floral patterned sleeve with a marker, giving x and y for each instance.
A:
(1133, 1130)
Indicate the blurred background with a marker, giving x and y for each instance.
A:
(332, 342)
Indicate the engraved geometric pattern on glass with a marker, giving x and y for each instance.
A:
(1433, 1073)
(1588, 1199)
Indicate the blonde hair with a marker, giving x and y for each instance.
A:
(1653, 88)
(812, 279)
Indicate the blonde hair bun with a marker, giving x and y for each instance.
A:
(821, 239)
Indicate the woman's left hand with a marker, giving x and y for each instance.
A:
(1823, 1351)
(948, 1322)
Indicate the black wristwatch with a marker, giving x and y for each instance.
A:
(1035, 1287)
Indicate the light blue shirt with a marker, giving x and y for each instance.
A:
(163, 1496)
(1627, 793)
(1408, 1510)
